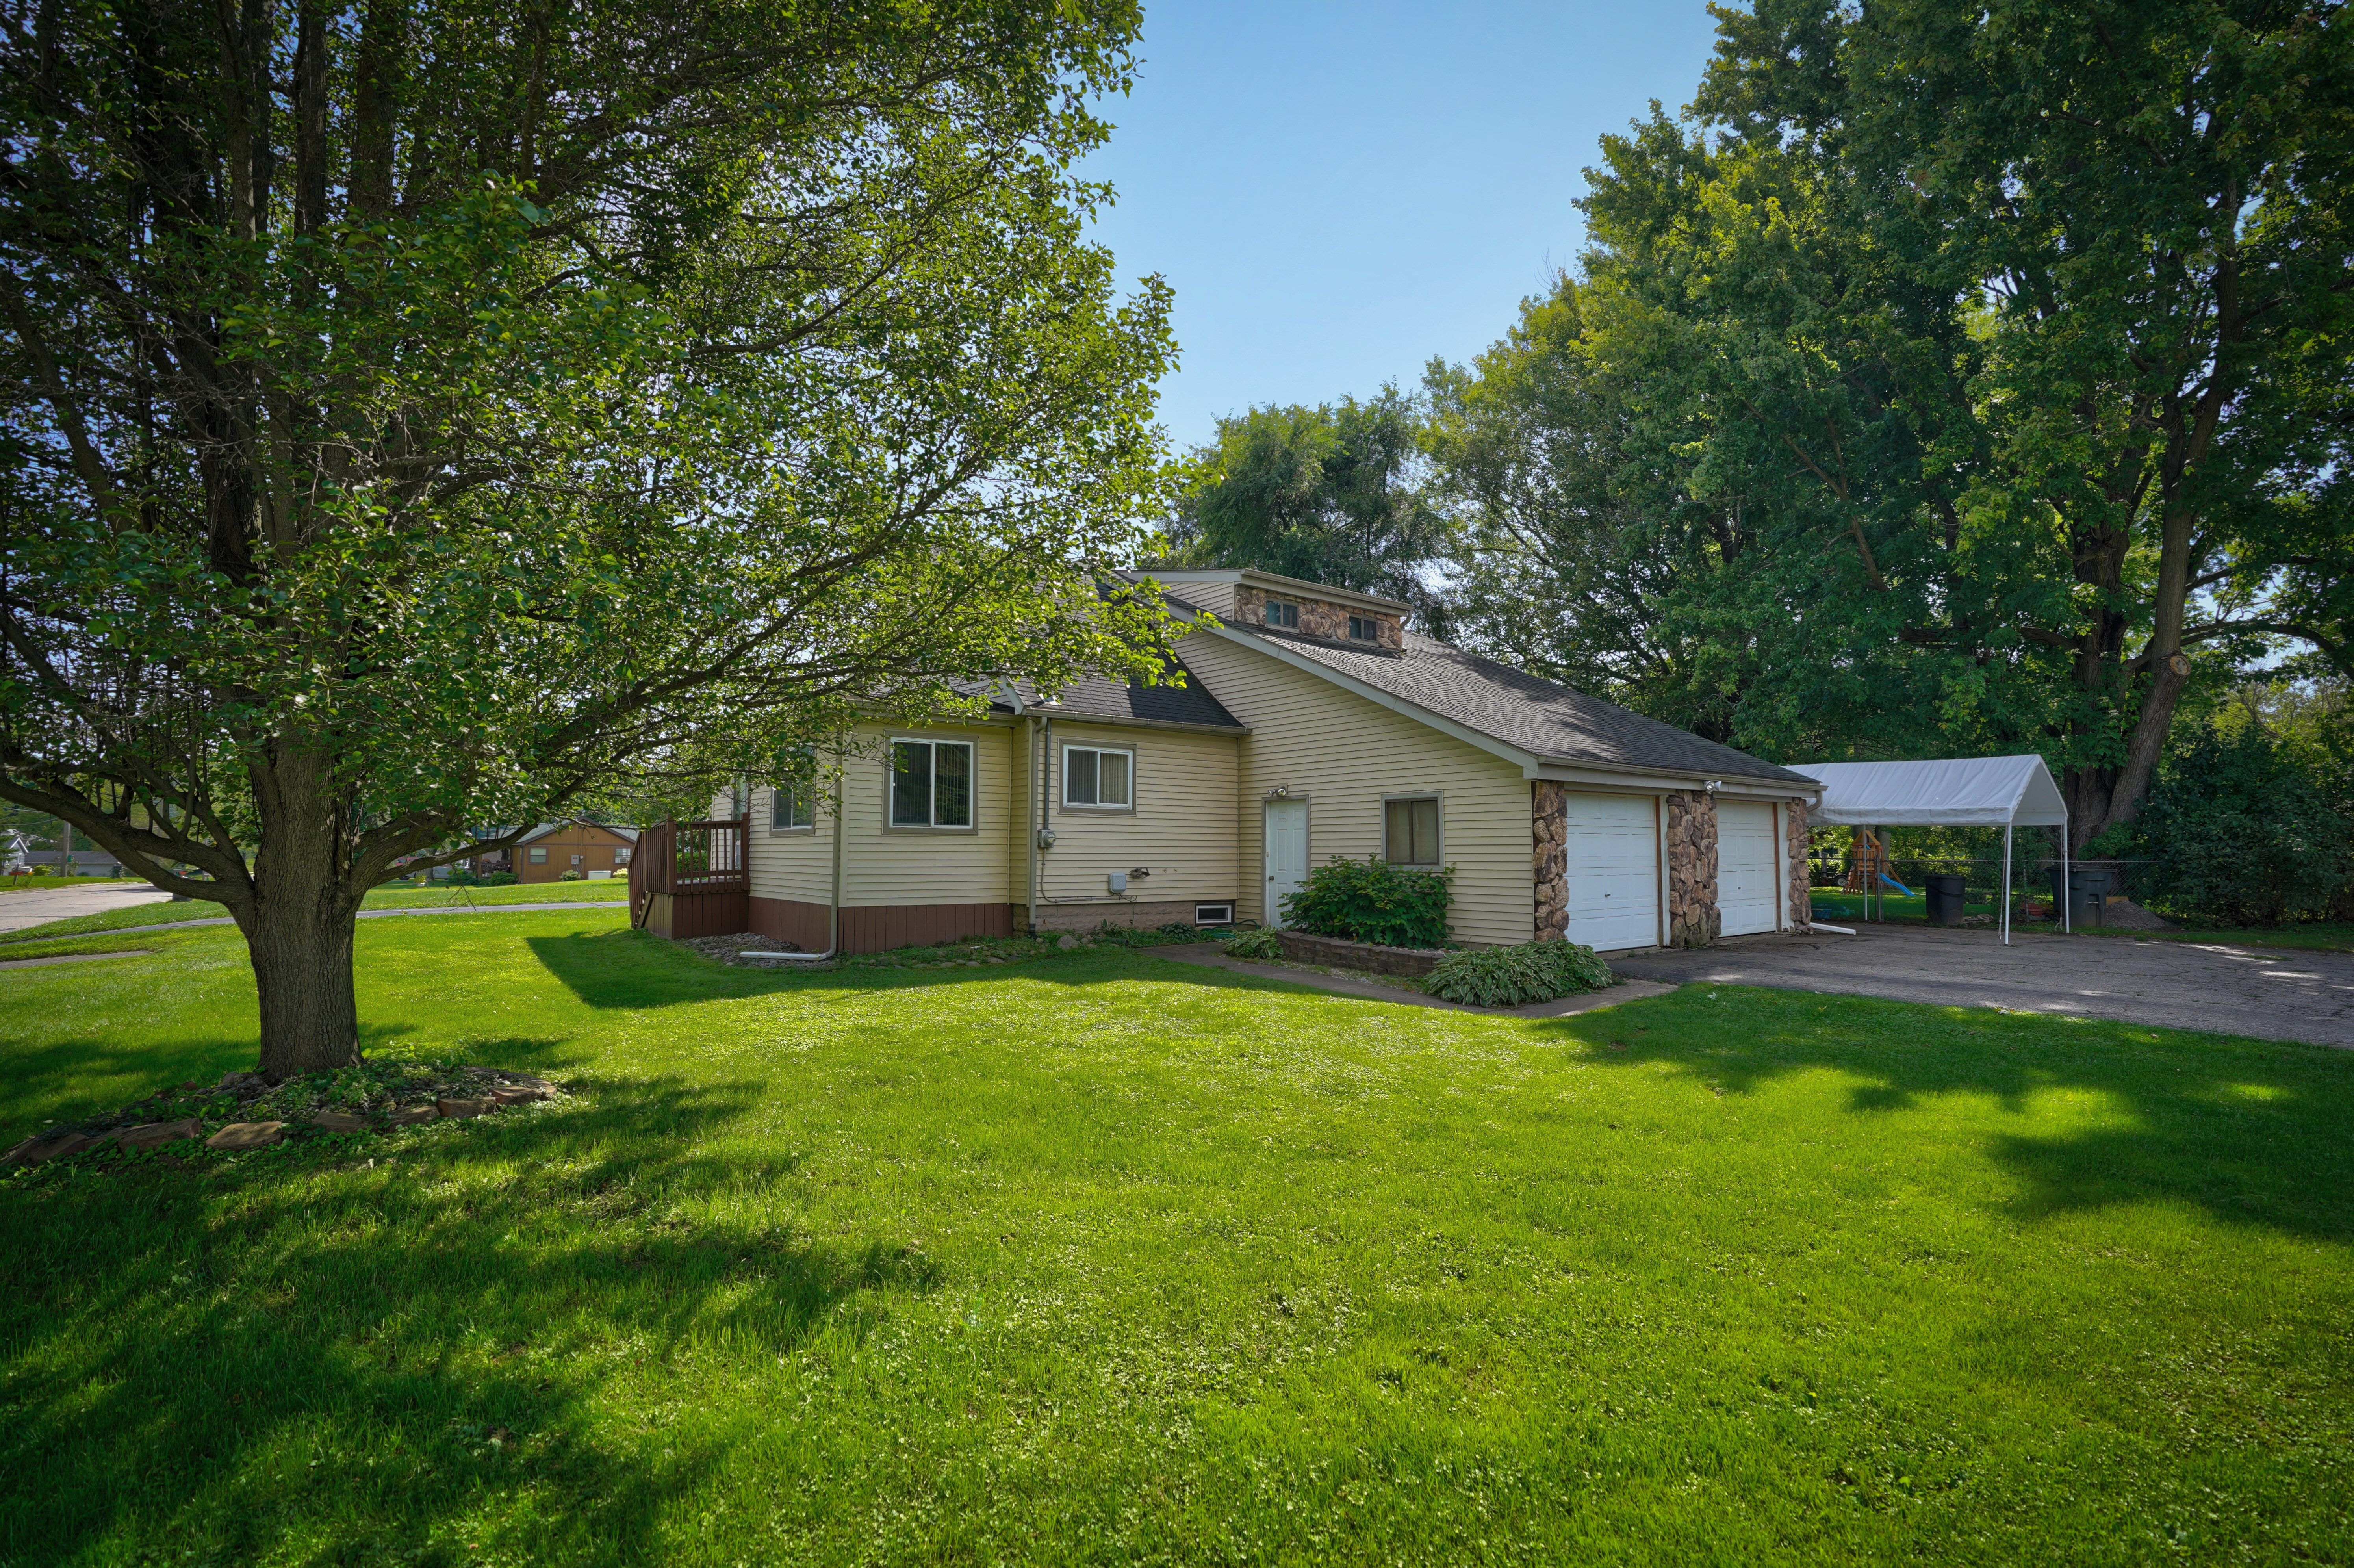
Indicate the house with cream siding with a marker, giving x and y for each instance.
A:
(1312, 723)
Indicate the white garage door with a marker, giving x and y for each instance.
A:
(1614, 870)
(1745, 901)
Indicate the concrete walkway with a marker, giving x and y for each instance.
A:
(1207, 956)
(39, 906)
(2272, 993)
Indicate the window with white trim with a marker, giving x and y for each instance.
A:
(932, 784)
(1410, 831)
(1282, 613)
(1098, 776)
(789, 807)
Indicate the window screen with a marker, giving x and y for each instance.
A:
(1364, 629)
(932, 784)
(1092, 776)
(1410, 831)
(1278, 613)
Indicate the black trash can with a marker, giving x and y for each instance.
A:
(1945, 898)
(2090, 891)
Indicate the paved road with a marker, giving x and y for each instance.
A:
(38, 908)
(2276, 993)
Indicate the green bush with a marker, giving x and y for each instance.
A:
(1516, 976)
(1254, 944)
(1372, 901)
(461, 877)
(2241, 832)
(500, 879)
(572, 875)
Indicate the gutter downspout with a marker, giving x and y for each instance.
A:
(1029, 733)
(833, 899)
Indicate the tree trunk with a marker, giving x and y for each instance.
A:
(299, 927)
(302, 969)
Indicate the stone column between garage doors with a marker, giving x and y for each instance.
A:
(1549, 855)
(1692, 920)
(1799, 904)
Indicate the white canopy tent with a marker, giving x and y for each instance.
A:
(2006, 793)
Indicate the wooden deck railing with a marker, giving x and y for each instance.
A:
(688, 858)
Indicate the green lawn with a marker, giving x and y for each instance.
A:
(1098, 1259)
(398, 896)
(36, 883)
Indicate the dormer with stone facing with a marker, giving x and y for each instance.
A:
(1291, 606)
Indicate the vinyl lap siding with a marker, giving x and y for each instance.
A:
(1182, 829)
(1343, 754)
(896, 866)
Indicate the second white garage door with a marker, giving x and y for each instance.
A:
(1613, 843)
(1745, 900)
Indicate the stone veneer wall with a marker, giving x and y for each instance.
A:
(1692, 920)
(1800, 901)
(1318, 618)
(1549, 854)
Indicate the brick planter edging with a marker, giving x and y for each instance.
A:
(1302, 949)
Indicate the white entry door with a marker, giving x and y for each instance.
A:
(1746, 900)
(1613, 842)
(1287, 855)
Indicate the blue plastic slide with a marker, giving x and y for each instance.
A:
(1896, 884)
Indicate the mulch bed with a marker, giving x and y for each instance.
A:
(244, 1111)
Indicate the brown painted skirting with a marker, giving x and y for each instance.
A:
(791, 920)
(876, 927)
(680, 916)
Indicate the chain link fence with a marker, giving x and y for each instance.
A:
(1903, 894)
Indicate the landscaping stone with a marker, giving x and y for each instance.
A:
(1302, 949)
(456, 1110)
(338, 1121)
(409, 1115)
(520, 1094)
(1066, 941)
(157, 1133)
(48, 1146)
(240, 1134)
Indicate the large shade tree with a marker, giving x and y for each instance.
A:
(422, 413)
(1977, 370)
(1334, 494)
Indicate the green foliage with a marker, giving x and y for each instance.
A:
(571, 874)
(2243, 831)
(1916, 396)
(638, 413)
(1372, 900)
(1332, 495)
(1516, 976)
(1260, 945)
(500, 879)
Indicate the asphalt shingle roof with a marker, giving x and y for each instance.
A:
(1542, 717)
(1093, 697)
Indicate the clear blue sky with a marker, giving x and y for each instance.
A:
(1338, 192)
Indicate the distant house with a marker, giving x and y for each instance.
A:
(544, 854)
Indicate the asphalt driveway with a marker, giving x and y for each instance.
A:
(2274, 993)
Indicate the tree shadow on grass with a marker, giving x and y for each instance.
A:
(289, 1357)
(2252, 1131)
